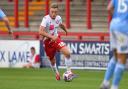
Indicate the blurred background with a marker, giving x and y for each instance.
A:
(88, 17)
(87, 22)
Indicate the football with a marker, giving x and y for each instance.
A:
(67, 76)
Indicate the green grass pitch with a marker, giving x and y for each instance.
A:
(45, 79)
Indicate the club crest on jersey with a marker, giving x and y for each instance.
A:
(51, 27)
(57, 21)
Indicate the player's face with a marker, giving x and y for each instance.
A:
(32, 51)
(53, 12)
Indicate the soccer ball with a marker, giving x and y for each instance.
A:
(67, 76)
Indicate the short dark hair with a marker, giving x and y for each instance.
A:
(54, 5)
(32, 48)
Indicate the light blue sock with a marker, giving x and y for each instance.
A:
(110, 69)
(118, 74)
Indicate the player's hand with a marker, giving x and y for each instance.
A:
(10, 32)
(54, 38)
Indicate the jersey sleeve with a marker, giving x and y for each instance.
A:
(60, 20)
(44, 22)
(2, 14)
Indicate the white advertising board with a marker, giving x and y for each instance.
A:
(15, 53)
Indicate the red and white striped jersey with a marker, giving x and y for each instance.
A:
(51, 25)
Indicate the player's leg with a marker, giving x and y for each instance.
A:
(50, 52)
(54, 68)
(109, 72)
(120, 67)
(51, 56)
(111, 65)
(68, 62)
(61, 47)
(53, 65)
(122, 52)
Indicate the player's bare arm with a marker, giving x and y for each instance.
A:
(45, 34)
(5, 19)
(110, 8)
(64, 28)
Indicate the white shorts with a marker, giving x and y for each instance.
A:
(119, 41)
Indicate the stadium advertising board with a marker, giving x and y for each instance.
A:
(15, 53)
(85, 54)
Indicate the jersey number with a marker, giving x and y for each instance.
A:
(122, 6)
(61, 44)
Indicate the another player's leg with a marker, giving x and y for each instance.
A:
(50, 52)
(109, 72)
(54, 68)
(111, 64)
(68, 60)
(122, 52)
(120, 67)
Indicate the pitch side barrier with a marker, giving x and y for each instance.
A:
(85, 55)
(92, 55)
(88, 54)
(16, 53)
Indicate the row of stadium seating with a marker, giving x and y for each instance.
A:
(36, 9)
(78, 15)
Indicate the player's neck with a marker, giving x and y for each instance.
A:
(52, 17)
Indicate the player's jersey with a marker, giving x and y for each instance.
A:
(2, 14)
(120, 9)
(120, 16)
(51, 25)
(34, 59)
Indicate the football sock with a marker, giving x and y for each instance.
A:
(109, 71)
(55, 69)
(68, 63)
(114, 87)
(117, 75)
